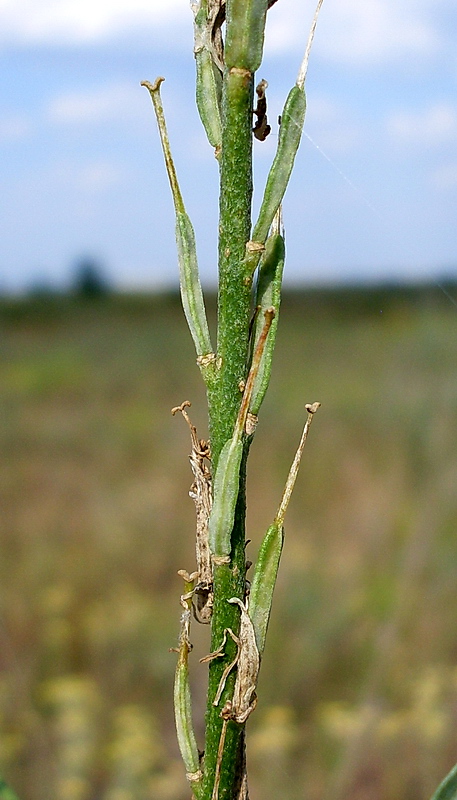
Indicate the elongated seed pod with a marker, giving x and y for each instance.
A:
(447, 790)
(209, 73)
(225, 494)
(268, 295)
(245, 33)
(183, 718)
(208, 94)
(292, 121)
(266, 570)
(191, 291)
(263, 583)
(181, 693)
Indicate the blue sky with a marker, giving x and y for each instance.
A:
(374, 193)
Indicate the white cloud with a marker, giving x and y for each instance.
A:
(101, 104)
(68, 21)
(428, 127)
(377, 31)
(355, 32)
(349, 31)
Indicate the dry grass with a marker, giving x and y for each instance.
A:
(358, 689)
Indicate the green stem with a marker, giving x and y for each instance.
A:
(229, 581)
(234, 300)
(235, 392)
(226, 481)
(234, 310)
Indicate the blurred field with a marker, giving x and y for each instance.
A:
(358, 688)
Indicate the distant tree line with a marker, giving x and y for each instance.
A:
(89, 281)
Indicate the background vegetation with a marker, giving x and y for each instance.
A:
(358, 689)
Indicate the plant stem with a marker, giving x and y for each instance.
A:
(234, 310)
(228, 582)
(235, 387)
(234, 301)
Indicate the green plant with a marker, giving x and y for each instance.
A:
(236, 373)
(5, 792)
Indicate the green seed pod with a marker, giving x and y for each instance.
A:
(447, 790)
(263, 583)
(268, 295)
(225, 495)
(292, 121)
(208, 94)
(266, 570)
(181, 693)
(191, 290)
(245, 33)
(183, 718)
